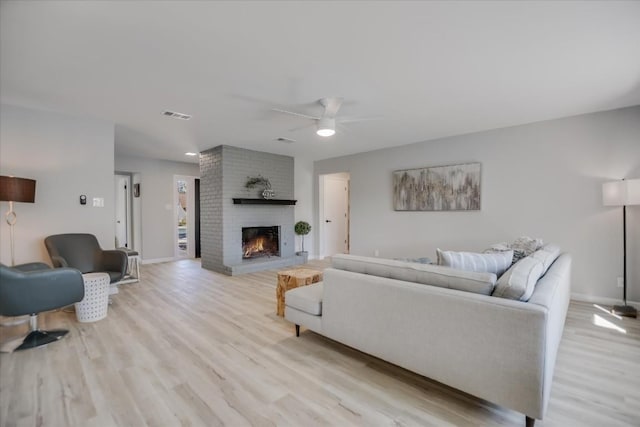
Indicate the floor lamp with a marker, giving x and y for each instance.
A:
(14, 189)
(622, 193)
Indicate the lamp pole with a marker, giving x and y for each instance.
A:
(11, 220)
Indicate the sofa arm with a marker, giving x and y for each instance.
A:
(115, 260)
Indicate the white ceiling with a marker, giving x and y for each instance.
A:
(427, 69)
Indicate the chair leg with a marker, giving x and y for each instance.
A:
(137, 268)
(297, 330)
(529, 422)
(37, 338)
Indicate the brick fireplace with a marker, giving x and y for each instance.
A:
(223, 174)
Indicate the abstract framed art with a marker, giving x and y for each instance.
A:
(438, 188)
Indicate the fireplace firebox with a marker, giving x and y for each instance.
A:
(260, 242)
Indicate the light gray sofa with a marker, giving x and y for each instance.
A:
(497, 349)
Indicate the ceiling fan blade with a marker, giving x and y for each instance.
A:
(331, 106)
(358, 119)
(302, 127)
(293, 113)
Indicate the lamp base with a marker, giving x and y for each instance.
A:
(625, 310)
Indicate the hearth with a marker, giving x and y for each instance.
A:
(260, 242)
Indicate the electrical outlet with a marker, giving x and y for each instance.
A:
(620, 282)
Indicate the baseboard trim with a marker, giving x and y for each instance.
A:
(602, 300)
(158, 260)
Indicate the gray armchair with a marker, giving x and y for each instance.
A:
(34, 288)
(83, 252)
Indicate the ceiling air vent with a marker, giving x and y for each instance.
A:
(287, 140)
(177, 115)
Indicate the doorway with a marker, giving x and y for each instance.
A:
(334, 214)
(185, 221)
(123, 218)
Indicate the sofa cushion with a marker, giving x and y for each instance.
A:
(520, 280)
(305, 298)
(427, 274)
(496, 263)
(547, 255)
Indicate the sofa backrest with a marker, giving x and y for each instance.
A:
(427, 274)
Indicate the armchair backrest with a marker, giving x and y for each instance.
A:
(32, 291)
(79, 250)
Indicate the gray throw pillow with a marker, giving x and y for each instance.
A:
(547, 255)
(520, 280)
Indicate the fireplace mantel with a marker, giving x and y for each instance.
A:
(263, 202)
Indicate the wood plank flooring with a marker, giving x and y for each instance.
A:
(189, 347)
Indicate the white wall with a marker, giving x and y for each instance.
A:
(542, 179)
(67, 156)
(303, 178)
(154, 209)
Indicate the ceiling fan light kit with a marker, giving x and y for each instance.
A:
(326, 126)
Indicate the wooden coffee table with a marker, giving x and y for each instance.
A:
(289, 279)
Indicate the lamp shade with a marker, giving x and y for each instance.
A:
(621, 193)
(14, 189)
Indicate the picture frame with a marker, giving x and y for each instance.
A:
(438, 188)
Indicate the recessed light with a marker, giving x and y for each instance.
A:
(175, 115)
(190, 154)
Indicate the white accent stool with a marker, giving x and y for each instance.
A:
(133, 266)
(95, 303)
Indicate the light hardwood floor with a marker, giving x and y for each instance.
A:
(187, 346)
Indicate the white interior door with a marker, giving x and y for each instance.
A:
(122, 211)
(336, 215)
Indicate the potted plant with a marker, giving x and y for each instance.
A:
(302, 228)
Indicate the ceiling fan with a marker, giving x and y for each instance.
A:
(326, 122)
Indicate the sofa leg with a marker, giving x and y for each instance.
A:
(297, 330)
(529, 422)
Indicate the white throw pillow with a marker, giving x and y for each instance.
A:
(496, 263)
(520, 280)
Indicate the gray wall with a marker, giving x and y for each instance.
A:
(542, 179)
(154, 226)
(67, 156)
(224, 172)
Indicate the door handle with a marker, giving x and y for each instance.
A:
(327, 220)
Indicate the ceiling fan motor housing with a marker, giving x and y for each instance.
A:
(326, 126)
